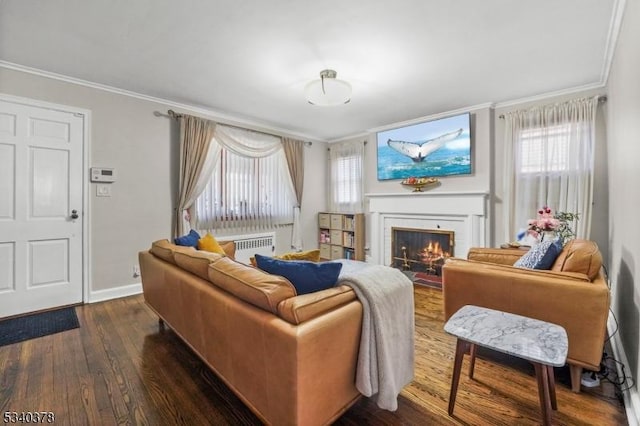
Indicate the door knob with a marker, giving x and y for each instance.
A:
(74, 214)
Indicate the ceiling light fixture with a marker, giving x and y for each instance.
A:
(328, 90)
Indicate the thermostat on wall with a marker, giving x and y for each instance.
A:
(103, 174)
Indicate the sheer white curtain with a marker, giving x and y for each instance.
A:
(250, 187)
(549, 161)
(345, 174)
(210, 162)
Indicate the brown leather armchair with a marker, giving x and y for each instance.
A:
(573, 294)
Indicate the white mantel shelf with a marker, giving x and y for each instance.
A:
(464, 212)
(427, 193)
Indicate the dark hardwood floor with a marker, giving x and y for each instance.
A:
(120, 368)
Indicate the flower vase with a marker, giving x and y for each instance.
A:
(547, 236)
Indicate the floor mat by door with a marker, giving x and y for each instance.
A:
(27, 327)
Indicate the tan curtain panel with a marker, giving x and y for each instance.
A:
(195, 136)
(295, 160)
(293, 150)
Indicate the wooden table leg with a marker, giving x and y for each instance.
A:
(472, 359)
(543, 392)
(552, 387)
(461, 347)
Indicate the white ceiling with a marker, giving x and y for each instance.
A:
(251, 59)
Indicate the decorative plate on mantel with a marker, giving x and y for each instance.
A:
(417, 183)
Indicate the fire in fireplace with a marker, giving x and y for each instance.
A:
(420, 250)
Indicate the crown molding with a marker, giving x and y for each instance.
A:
(615, 26)
(413, 121)
(218, 116)
(543, 96)
(432, 117)
(346, 138)
(369, 132)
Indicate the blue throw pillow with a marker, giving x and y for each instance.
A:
(306, 276)
(190, 240)
(541, 256)
(549, 256)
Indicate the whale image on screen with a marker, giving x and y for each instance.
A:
(432, 149)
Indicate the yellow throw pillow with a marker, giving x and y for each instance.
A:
(209, 243)
(312, 255)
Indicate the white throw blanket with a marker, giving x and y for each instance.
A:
(385, 361)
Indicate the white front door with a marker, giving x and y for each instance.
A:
(41, 210)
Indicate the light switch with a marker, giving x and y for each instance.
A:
(103, 190)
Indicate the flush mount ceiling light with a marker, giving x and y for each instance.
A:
(328, 90)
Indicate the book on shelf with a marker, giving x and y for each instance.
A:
(347, 239)
(349, 223)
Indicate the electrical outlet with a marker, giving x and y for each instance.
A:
(136, 271)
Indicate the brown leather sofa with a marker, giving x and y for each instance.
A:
(291, 359)
(573, 294)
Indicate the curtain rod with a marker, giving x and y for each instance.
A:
(601, 100)
(329, 147)
(171, 113)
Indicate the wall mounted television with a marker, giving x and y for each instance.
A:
(434, 148)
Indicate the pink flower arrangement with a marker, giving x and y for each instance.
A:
(544, 222)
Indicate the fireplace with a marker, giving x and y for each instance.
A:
(421, 250)
(463, 212)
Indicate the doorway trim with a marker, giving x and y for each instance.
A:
(86, 148)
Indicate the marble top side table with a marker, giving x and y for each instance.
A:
(543, 344)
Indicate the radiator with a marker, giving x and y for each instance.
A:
(248, 245)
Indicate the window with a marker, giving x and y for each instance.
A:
(347, 181)
(345, 191)
(544, 150)
(549, 161)
(547, 173)
(246, 192)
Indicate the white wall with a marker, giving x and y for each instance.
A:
(143, 148)
(623, 117)
(314, 197)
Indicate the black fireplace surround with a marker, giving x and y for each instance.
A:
(421, 250)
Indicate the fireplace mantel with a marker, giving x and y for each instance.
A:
(425, 194)
(464, 212)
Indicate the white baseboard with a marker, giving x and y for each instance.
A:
(631, 396)
(115, 292)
